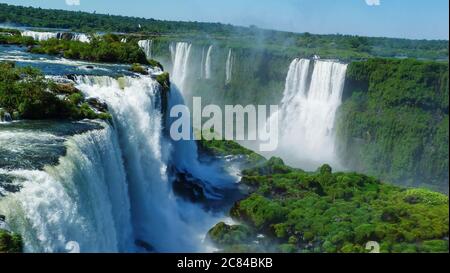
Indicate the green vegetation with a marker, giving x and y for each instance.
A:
(155, 63)
(394, 121)
(296, 211)
(106, 48)
(28, 95)
(164, 80)
(14, 37)
(220, 148)
(10, 243)
(137, 68)
(305, 44)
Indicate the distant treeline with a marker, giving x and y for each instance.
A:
(344, 46)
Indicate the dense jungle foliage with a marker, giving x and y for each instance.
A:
(107, 48)
(14, 37)
(394, 121)
(289, 210)
(26, 94)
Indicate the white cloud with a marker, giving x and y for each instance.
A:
(373, 2)
(76, 2)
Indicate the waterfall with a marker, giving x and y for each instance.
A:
(146, 46)
(81, 37)
(112, 192)
(229, 67)
(202, 65)
(208, 63)
(40, 36)
(308, 111)
(83, 199)
(43, 36)
(180, 53)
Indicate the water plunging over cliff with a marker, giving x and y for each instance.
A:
(40, 36)
(229, 67)
(205, 64)
(312, 94)
(43, 36)
(180, 53)
(111, 192)
(146, 46)
(208, 63)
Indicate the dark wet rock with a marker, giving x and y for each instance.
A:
(65, 36)
(71, 77)
(7, 184)
(5, 116)
(97, 104)
(143, 244)
(89, 66)
(188, 187)
(65, 88)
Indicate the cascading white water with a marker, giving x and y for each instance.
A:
(40, 36)
(81, 37)
(83, 199)
(180, 53)
(308, 112)
(111, 192)
(43, 36)
(208, 63)
(146, 46)
(229, 67)
(202, 64)
(158, 217)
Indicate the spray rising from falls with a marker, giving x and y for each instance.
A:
(229, 67)
(187, 156)
(308, 111)
(112, 190)
(180, 53)
(146, 46)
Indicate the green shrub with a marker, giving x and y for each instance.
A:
(10, 243)
(137, 68)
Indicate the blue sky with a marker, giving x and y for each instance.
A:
(417, 19)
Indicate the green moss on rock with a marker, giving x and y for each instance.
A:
(10, 242)
(27, 94)
(137, 68)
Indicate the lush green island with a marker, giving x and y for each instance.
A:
(26, 94)
(290, 210)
